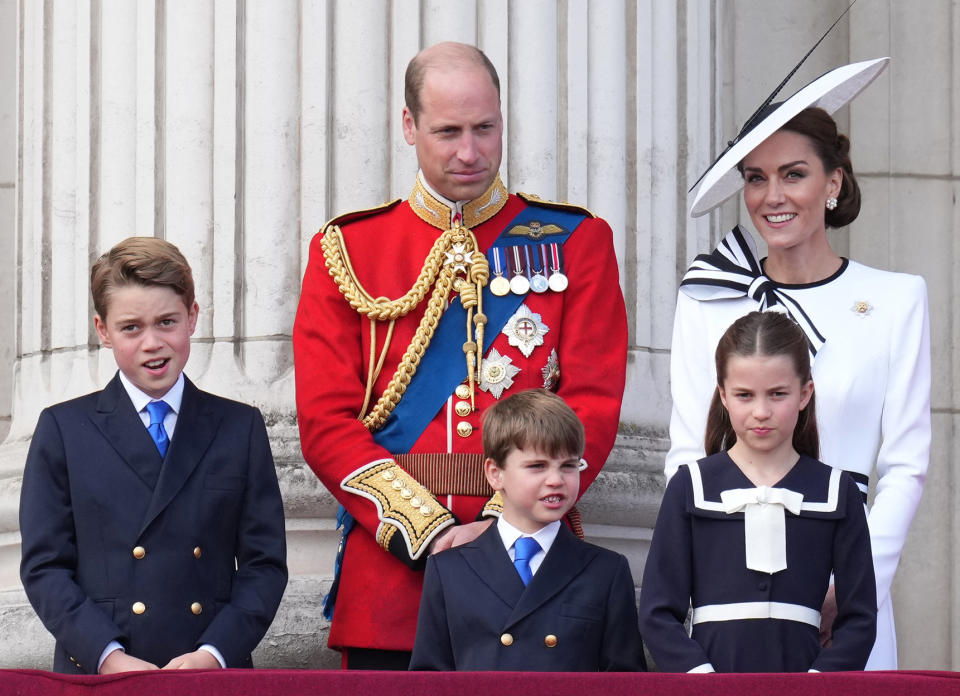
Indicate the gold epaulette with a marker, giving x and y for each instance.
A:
(533, 199)
(360, 214)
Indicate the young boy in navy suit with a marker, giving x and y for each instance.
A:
(528, 595)
(151, 519)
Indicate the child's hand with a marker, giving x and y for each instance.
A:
(461, 534)
(827, 616)
(198, 659)
(119, 661)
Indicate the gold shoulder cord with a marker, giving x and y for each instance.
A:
(454, 262)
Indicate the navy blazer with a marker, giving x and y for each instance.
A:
(577, 614)
(160, 555)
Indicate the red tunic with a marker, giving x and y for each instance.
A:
(379, 593)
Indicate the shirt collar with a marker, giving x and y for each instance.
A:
(173, 397)
(544, 536)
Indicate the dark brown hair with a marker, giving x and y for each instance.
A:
(140, 261)
(448, 53)
(763, 334)
(534, 418)
(833, 149)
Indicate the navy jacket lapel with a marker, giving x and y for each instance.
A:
(566, 559)
(196, 428)
(123, 429)
(489, 560)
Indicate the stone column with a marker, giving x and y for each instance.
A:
(236, 128)
(908, 174)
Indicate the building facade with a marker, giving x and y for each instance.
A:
(236, 128)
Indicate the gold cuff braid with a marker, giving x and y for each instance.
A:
(404, 505)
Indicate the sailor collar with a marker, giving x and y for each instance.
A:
(440, 212)
(711, 476)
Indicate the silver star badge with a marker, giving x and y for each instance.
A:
(551, 371)
(497, 373)
(459, 257)
(525, 330)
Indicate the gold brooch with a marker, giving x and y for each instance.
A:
(861, 308)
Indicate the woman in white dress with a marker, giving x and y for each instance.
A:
(868, 329)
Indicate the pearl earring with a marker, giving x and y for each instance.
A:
(832, 203)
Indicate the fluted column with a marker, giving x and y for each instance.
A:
(236, 128)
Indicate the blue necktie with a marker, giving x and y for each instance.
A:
(524, 549)
(158, 410)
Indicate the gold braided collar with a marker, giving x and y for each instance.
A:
(437, 213)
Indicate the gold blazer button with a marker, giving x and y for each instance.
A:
(139, 552)
(139, 607)
(506, 640)
(196, 608)
(550, 641)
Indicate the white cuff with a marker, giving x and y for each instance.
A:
(111, 646)
(705, 668)
(216, 653)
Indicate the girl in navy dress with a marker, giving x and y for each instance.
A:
(750, 534)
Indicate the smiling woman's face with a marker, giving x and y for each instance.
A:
(786, 191)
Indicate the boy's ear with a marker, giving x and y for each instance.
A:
(101, 326)
(192, 315)
(494, 474)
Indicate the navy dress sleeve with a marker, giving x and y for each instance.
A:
(668, 583)
(855, 628)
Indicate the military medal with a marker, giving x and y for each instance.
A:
(459, 257)
(551, 371)
(525, 330)
(519, 285)
(497, 373)
(538, 281)
(499, 285)
(558, 281)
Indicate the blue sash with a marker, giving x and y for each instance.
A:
(443, 365)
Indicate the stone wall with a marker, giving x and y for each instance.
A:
(235, 128)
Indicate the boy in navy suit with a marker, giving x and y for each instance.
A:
(151, 518)
(528, 595)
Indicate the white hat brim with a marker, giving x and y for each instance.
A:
(829, 92)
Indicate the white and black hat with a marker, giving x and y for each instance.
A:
(829, 92)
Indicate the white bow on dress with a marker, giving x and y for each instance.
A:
(765, 533)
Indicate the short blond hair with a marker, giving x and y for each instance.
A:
(535, 418)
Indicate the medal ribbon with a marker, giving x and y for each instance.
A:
(517, 266)
(536, 267)
(556, 254)
(498, 261)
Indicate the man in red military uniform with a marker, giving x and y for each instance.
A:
(416, 316)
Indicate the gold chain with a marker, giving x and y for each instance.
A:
(439, 271)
